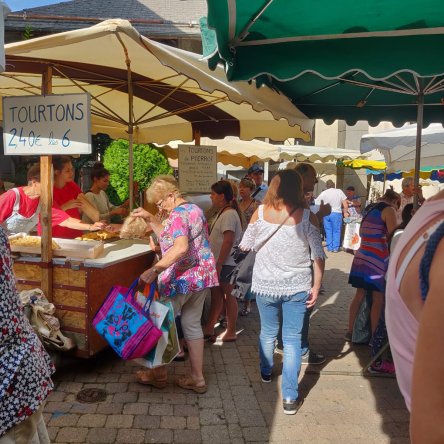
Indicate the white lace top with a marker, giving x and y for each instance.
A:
(283, 264)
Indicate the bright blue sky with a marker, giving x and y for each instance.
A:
(18, 5)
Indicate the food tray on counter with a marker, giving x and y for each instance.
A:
(78, 249)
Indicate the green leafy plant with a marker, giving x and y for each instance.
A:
(148, 163)
(28, 33)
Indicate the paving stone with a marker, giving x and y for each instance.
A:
(78, 407)
(71, 434)
(117, 387)
(69, 387)
(185, 410)
(92, 420)
(235, 431)
(63, 420)
(109, 408)
(130, 436)
(255, 434)
(56, 396)
(136, 408)
(193, 423)
(173, 422)
(161, 410)
(215, 434)
(52, 432)
(119, 421)
(159, 436)
(58, 407)
(146, 422)
(187, 436)
(102, 435)
(250, 418)
(125, 397)
(212, 417)
(210, 403)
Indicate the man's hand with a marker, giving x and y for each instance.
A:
(324, 209)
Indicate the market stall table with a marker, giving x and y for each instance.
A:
(80, 286)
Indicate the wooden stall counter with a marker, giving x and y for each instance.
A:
(80, 286)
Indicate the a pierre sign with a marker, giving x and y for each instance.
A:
(46, 125)
(197, 168)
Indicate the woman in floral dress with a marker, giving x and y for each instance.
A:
(185, 273)
(25, 367)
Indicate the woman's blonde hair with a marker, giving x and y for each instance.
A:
(285, 188)
(160, 187)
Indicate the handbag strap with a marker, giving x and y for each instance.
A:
(219, 214)
(149, 298)
(277, 229)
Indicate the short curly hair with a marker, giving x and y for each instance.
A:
(161, 186)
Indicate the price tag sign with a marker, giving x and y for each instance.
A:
(197, 168)
(47, 125)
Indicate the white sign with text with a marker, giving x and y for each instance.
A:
(197, 168)
(46, 125)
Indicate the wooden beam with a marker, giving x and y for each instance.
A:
(46, 204)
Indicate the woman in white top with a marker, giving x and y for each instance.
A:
(283, 232)
(225, 232)
(98, 198)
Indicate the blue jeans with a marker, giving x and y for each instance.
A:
(332, 228)
(293, 312)
(305, 345)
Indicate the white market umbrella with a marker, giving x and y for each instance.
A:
(398, 146)
(148, 92)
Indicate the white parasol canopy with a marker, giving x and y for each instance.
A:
(236, 152)
(398, 146)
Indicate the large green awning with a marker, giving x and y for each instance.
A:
(345, 59)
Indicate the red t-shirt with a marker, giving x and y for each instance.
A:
(27, 205)
(60, 196)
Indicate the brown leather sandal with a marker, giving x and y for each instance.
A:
(147, 377)
(188, 383)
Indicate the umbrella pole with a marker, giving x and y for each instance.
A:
(419, 122)
(46, 204)
(130, 130)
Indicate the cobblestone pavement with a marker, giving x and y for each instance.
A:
(341, 405)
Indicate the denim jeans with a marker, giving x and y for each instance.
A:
(332, 228)
(293, 312)
(305, 345)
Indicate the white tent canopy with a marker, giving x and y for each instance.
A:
(233, 151)
(398, 146)
(173, 93)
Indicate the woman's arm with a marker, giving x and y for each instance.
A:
(426, 420)
(86, 207)
(390, 219)
(225, 249)
(174, 254)
(76, 224)
(318, 271)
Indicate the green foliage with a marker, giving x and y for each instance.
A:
(148, 163)
(28, 33)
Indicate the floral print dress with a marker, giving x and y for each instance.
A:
(25, 367)
(197, 269)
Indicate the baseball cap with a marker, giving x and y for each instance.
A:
(350, 188)
(255, 168)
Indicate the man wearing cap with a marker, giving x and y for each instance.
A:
(256, 173)
(333, 222)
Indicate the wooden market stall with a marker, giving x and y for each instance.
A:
(79, 286)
